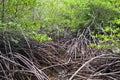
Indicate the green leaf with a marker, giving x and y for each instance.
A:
(107, 29)
(15, 41)
(99, 46)
(92, 45)
(118, 35)
(114, 31)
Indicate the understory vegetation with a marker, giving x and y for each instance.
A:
(59, 39)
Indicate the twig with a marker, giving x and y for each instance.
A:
(85, 65)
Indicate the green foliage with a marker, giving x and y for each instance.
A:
(71, 16)
(40, 37)
(19, 17)
(61, 18)
(61, 15)
(110, 39)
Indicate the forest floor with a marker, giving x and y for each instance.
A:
(65, 59)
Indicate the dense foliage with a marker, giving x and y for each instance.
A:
(84, 34)
(43, 19)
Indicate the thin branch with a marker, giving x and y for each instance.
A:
(85, 65)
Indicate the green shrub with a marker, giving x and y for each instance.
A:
(60, 18)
